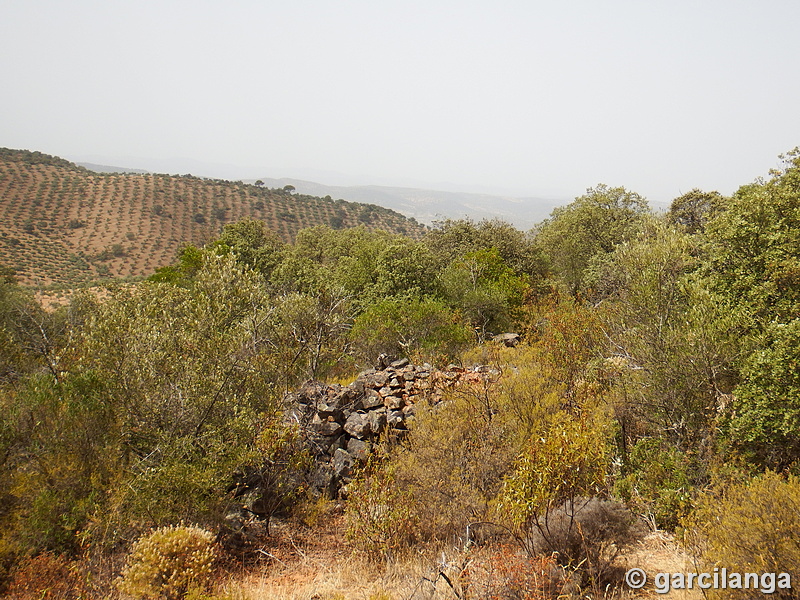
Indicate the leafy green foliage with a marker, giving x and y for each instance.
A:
(253, 244)
(764, 418)
(567, 460)
(694, 209)
(677, 341)
(593, 224)
(484, 289)
(657, 483)
(450, 240)
(412, 328)
(754, 245)
(58, 441)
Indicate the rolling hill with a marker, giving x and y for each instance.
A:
(64, 225)
(429, 206)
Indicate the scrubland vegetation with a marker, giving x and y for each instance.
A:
(656, 387)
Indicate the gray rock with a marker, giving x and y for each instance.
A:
(358, 449)
(394, 402)
(357, 426)
(377, 380)
(323, 480)
(329, 428)
(399, 364)
(509, 339)
(376, 420)
(325, 410)
(342, 463)
(371, 400)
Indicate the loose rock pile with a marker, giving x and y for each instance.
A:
(340, 423)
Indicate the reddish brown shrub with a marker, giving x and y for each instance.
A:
(506, 574)
(47, 577)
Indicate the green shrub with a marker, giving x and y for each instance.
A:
(656, 483)
(169, 563)
(751, 527)
(380, 517)
(564, 462)
(409, 327)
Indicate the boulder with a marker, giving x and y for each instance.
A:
(342, 463)
(330, 429)
(510, 340)
(376, 420)
(358, 449)
(371, 400)
(357, 426)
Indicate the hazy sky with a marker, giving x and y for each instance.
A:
(527, 96)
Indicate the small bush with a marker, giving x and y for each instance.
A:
(508, 575)
(47, 577)
(454, 462)
(656, 483)
(555, 469)
(591, 532)
(381, 520)
(169, 562)
(751, 527)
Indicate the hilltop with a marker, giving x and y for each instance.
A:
(65, 225)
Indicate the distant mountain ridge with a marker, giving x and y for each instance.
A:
(426, 202)
(110, 169)
(428, 206)
(65, 225)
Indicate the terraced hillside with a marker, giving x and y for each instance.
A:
(63, 225)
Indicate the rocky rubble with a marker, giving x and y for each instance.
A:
(339, 426)
(340, 423)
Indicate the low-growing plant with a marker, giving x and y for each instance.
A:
(506, 574)
(751, 527)
(170, 562)
(589, 534)
(47, 576)
(381, 522)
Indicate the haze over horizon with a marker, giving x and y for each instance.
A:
(517, 98)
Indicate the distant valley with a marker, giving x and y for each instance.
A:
(428, 206)
(420, 201)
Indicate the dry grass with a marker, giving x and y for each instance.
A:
(319, 565)
(660, 553)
